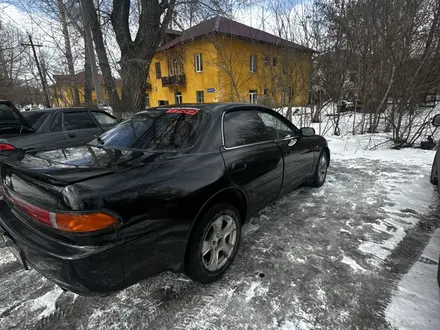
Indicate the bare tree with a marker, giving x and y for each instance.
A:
(68, 50)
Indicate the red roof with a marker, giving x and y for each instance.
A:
(226, 26)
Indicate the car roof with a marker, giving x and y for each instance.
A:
(213, 107)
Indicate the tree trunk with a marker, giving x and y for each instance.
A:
(137, 54)
(87, 77)
(68, 51)
(134, 83)
(109, 84)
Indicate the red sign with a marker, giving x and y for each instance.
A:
(185, 111)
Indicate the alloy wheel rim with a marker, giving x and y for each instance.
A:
(219, 242)
(322, 170)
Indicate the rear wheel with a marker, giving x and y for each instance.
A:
(214, 243)
(438, 272)
(434, 174)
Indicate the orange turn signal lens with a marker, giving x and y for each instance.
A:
(84, 222)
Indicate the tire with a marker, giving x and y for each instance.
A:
(206, 236)
(434, 175)
(438, 272)
(320, 174)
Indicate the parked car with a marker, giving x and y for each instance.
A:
(60, 128)
(168, 189)
(435, 170)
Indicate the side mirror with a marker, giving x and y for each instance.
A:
(436, 120)
(309, 131)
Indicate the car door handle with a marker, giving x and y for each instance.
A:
(292, 142)
(237, 167)
(72, 135)
(288, 151)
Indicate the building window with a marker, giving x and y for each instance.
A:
(198, 65)
(266, 60)
(266, 92)
(178, 97)
(253, 63)
(147, 100)
(200, 97)
(158, 73)
(170, 67)
(253, 96)
(176, 67)
(274, 61)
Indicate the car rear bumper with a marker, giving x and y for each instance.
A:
(93, 270)
(84, 270)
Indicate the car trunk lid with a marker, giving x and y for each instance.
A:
(12, 121)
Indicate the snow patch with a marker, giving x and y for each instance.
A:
(256, 289)
(48, 302)
(353, 264)
(415, 304)
(301, 321)
(6, 256)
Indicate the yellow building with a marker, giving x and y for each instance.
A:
(61, 91)
(220, 60)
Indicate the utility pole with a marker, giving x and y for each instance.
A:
(88, 36)
(28, 90)
(43, 80)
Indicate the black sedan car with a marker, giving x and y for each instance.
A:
(435, 172)
(168, 189)
(60, 128)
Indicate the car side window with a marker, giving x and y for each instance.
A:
(104, 119)
(242, 128)
(276, 127)
(55, 125)
(78, 120)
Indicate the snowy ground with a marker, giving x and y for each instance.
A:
(328, 258)
(416, 302)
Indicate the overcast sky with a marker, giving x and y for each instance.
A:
(43, 29)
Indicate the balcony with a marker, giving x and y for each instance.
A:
(174, 80)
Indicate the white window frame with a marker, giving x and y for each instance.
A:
(178, 98)
(176, 67)
(170, 67)
(202, 98)
(198, 64)
(253, 63)
(253, 96)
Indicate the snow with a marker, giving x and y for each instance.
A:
(48, 302)
(255, 289)
(353, 264)
(416, 302)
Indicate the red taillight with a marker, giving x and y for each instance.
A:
(6, 147)
(31, 210)
(73, 222)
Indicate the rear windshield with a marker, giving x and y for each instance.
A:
(33, 118)
(157, 130)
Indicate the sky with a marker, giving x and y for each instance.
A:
(42, 28)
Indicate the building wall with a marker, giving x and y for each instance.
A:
(226, 68)
(236, 79)
(195, 81)
(62, 95)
